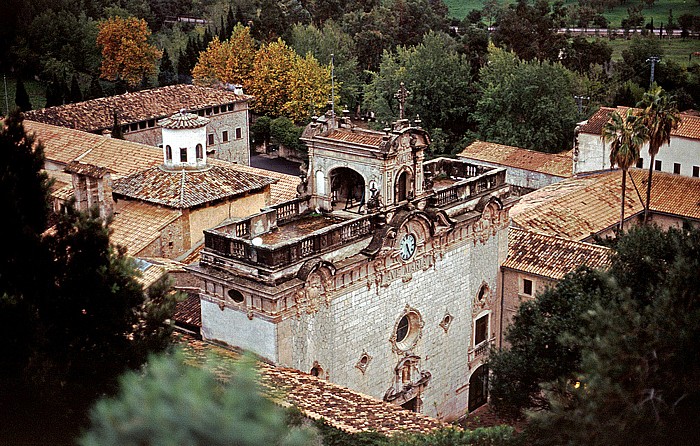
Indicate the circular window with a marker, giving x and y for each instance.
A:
(235, 296)
(407, 330)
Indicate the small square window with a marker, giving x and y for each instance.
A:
(696, 171)
(527, 287)
(481, 330)
(210, 139)
(225, 136)
(657, 165)
(677, 168)
(640, 162)
(230, 107)
(239, 133)
(216, 110)
(183, 155)
(142, 125)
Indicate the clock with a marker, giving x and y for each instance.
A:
(407, 246)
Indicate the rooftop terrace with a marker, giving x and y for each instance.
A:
(284, 234)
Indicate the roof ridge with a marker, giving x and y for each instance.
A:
(183, 179)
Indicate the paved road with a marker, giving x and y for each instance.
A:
(275, 164)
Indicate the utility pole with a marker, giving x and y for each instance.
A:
(653, 60)
(579, 102)
(7, 104)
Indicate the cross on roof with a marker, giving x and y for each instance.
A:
(402, 95)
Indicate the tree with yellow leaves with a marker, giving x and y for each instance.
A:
(282, 82)
(126, 53)
(230, 61)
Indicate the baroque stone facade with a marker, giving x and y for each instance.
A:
(360, 281)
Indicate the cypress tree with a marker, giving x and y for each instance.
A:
(240, 18)
(21, 96)
(55, 93)
(116, 127)
(222, 30)
(230, 22)
(75, 94)
(95, 88)
(166, 75)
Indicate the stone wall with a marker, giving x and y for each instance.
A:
(209, 216)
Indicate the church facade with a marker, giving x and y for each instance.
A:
(375, 276)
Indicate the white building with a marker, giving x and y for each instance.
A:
(681, 157)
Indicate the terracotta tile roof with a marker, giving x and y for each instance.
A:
(188, 188)
(153, 268)
(339, 407)
(550, 256)
(193, 256)
(689, 126)
(558, 164)
(283, 190)
(189, 311)
(183, 120)
(123, 158)
(356, 136)
(575, 208)
(138, 224)
(157, 103)
(64, 193)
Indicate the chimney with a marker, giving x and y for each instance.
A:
(92, 186)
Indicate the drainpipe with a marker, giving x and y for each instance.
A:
(500, 323)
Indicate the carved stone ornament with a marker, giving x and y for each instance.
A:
(409, 380)
(314, 292)
(446, 321)
(363, 362)
(413, 332)
(488, 224)
(483, 298)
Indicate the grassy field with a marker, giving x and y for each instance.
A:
(35, 90)
(659, 12)
(677, 50)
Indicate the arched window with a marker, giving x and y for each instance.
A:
(199, 152)
(168, 153)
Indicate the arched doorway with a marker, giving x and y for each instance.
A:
(347, 189)
(402, 188)
(478, 388)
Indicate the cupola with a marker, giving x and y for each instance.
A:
(184, 141)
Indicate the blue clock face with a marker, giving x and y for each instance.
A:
(407, 246)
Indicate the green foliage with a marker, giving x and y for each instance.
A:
(166, 72)
(174, 403)
(439, 80)
(21, 96)
(260, 131)
(286, 133)
(636, 336)
(526, 104)
(492, 436)
(75, 94)
(539, 352)
(635, 66)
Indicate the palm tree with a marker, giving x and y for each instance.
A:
(626, 137)
(660, 117)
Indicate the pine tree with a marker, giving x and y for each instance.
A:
(21, 96)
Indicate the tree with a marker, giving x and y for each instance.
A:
(171, 402)
(95, 90)
(638, 385)
(21, 96)
(230, 61)
(660, 117)
(438, 77)
(284, 83)
(625, 136)
(166, 73)
(526, 104)
(126, 53)
(537, 352)
(24, 197)
(75, 94)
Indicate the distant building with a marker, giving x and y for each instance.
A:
(138, 112)
(527, 170)
(681, 157)
(374, 277)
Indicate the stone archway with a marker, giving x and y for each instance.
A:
(347, 189)
(478, 388)
(403, 189)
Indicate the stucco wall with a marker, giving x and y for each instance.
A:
(594, 155)
(210, 216)
(518, 177)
